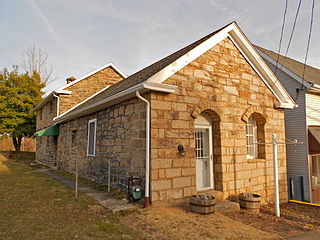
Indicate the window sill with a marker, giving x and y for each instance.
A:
(255, 160)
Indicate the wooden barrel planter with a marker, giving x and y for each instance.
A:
(203, 204)
(250, 202)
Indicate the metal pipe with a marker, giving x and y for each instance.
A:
(275, 169)
(58, 103)
(147, 184)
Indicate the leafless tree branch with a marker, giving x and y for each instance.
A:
(36, 60)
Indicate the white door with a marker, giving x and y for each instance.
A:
(204, 161)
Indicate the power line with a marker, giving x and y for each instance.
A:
(308, 45)
(293, 28)
(281, 35)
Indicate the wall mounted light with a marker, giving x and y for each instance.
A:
(181, 149)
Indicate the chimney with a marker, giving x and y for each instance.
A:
(70, 79)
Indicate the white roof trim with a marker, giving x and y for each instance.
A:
(285, 70)
(93, 72)
(116, 98)
(237, 36)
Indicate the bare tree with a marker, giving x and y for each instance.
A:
(36, 60)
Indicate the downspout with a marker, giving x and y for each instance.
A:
(147, 184)
(58, 103)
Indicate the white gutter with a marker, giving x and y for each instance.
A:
(147, 184)
(121, 96)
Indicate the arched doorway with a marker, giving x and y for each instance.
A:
(204, 152)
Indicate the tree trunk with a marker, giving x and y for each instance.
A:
(17, 143)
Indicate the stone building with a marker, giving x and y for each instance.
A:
(63, 100)
(201, 109)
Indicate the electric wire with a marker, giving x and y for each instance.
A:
(281, 35)
(292, 31)
(308, 44)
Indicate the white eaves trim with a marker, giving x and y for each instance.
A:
(285, 70)
(116, 98)
(93, 72)
(245, 47)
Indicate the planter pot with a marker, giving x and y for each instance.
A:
(203, 204)
(250, 202)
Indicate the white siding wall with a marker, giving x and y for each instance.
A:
(313, 109)
(296, 128)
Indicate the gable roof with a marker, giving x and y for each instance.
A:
(158, 72)
(62, 90)
(312, 74)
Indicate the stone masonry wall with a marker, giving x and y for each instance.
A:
(222, 84)
(47, 150)
(46, 114)
(87, 87)
(120, 139)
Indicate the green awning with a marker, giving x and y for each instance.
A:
(49, 131)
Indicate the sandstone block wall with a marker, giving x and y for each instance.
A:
(47, 150)
(46, 114)
(120, 140)
(87, 87)
(222, 84)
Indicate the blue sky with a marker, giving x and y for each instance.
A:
(82, 35)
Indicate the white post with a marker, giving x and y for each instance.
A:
(109, 172)
(275, 168)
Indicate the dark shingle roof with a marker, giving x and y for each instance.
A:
(146, 72)
(311, 75)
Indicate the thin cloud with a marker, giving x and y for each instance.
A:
(46, 22)
(106, 8)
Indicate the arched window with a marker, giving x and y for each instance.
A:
(255, 133)
(252, 138)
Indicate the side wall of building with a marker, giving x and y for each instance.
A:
(120, 140)
(46, 114)
(296, 128)
(87, 87)
(222, 84)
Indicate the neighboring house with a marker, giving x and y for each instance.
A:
(61, 100)
(202, 109)
(302, 123)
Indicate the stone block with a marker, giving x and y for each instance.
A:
(201, 74)
(181, 182)
(161, 163)
(174, 193)
(226, 207)
(173, 172)
(160, 184)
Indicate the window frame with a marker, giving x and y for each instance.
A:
(94, 137)
(252, 123)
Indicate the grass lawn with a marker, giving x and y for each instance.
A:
(33, 206)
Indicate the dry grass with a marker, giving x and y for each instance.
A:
(33, 206)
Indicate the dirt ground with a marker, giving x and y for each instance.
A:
(180, 223)
(295, 218)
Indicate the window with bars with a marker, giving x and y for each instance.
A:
(251, 136)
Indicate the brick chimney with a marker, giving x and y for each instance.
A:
(70, 79)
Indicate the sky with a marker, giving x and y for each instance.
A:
(82, 35)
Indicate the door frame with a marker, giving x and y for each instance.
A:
(211, 172)
(312, 188)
